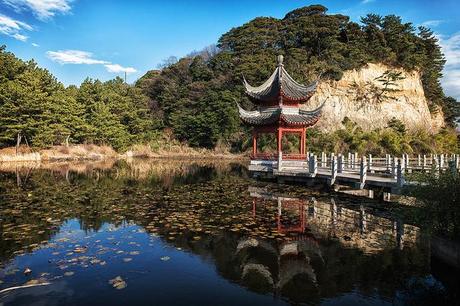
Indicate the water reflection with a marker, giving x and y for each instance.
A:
(167, 225)
(322, 251)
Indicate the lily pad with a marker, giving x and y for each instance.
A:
(118, 283)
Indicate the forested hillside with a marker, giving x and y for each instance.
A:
(192, 91)
(195, 97)
(34, 105)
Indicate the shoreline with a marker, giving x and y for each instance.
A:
(81, 153)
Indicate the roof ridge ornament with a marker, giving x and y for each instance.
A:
(280, 59)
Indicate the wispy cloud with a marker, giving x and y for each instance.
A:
(13, 28)
(451, 48)
(115, 68)
(42, 9)
(432, 23)
(35, 45)
(74, 57)
(78, 57)
(366, 1)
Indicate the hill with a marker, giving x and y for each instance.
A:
(194, 99)
(197, 94)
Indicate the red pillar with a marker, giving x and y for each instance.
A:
(254, 143)
(301, 143)
(304, 140)
(279, 142)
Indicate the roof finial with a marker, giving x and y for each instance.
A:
(280, 60)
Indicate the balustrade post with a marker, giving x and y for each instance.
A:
(394, 163)
(362, 172)
(388, 161)
(419, 161)
(340, 163)
(369, 163)
(313, 165)
(323, 159)
(349, 160)
(406, 160)
(353, 161)
(403, 160)
(280, 160)
(424, 162)
(400, 174)
(333, 169)
(436, 166)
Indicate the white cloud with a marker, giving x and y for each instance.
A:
(451, 49)
(366, 1)
(13, 28)
(115, 68)
(432, 23)
(74, 57)
(35, 45)
(20, 37)
(43, 9)
(78, 57)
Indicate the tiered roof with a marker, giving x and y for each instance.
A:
(282, 86)
(278, 100)
(273, 115)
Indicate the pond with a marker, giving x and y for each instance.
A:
(170, 232)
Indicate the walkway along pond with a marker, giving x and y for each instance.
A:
(204, 233)
(384, 175)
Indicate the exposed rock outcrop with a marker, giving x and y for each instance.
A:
(356, 96)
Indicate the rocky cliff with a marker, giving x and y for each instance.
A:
(361, 96)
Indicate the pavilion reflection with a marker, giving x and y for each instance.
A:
(359, 227)
(314, 259)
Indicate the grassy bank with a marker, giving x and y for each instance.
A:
(94, 152)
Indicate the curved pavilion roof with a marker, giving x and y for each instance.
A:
(280, 84)
(290, 116)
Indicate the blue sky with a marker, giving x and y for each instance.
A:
(75, 39)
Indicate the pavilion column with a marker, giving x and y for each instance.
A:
(254, 143)
(302, 141)
(280, 137)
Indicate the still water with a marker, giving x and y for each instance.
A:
(202, 233)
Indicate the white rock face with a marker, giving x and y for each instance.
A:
(407, 104)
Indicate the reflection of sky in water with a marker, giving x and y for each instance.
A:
(191, 234)
(150, 278)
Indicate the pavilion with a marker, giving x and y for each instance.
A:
(278, 101)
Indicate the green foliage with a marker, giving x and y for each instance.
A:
(451, 109)
(35, 105)
(194, 103)
(392, 140)
(439, 195)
